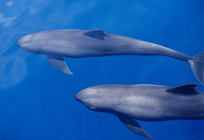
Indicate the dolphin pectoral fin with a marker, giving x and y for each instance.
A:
(59, 64)
(134, 126)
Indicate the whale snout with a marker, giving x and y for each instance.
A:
(82, 96)
(23, 42)
(78, 97)
(87, 97)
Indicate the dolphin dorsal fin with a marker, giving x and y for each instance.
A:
(184, 89)
(97, 34)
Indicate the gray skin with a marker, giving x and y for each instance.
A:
(75, 43)
(145, 102)
(82, 43)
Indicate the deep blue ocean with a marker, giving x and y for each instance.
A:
(37, 101)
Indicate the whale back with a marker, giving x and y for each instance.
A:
(155, 102)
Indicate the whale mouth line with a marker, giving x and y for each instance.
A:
(77, 98)
(88, 105)
(91, 107)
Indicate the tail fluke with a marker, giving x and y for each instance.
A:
(197, 66)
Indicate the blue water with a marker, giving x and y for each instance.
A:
(37, 101)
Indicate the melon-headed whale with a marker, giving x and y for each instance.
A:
(145, 102)
(58, 44)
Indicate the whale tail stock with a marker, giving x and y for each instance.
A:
(197, 66)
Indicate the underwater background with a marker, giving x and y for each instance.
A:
(37, 101)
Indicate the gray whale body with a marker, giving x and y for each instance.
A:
(58, 44)
(145, 102)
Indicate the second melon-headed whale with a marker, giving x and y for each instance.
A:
(58, 44)
(145, 102)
